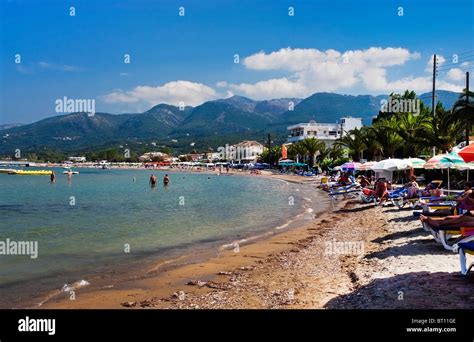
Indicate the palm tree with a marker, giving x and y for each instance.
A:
(409, 127)
(312, 146)
(373, 146)
(297, 150)
(463, 110)
(354, 140)
(386, 134)
(443, 132)
(337, 152)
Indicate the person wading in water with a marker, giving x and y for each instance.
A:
(152, 181)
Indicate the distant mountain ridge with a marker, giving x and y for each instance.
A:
(218, 120)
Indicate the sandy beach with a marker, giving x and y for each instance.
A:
(355, 256)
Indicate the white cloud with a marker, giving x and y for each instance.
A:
(270, 89)
(440, 60)
(190, 93)
(59, 67)
(310, 70)
(455, 74)
(222, 84)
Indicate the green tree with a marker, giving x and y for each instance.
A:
(312, 146)
(463, 111)
(386, 133)
(443, 132)
(354, 141)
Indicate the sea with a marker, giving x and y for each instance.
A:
(105, 225)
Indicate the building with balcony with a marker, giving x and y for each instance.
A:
(326, 132)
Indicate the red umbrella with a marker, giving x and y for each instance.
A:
(467, 153)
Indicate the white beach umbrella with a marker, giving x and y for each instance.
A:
(391, 165)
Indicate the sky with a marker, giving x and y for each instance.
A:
(131, 55)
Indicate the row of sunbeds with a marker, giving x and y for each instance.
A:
(457, 239)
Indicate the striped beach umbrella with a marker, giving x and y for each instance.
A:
(366, 166)
(415, 163)
(447, 161)
(350, 166)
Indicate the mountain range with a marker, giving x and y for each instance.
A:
(214, 122)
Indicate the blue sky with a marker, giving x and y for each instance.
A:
(350, 47)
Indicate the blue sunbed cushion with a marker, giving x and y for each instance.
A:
(467, 245)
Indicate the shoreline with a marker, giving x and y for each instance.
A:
(159, 263)
(398, 267)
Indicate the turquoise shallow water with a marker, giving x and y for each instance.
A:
(111, 210)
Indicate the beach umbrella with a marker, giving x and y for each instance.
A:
(391, 165)
(467, 153)
(350, 166)
(415, 163)
(447, 161)
(285, 161)
(366, 166)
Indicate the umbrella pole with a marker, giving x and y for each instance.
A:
(448, 181)
(467, 178)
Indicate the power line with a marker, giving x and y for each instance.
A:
(455, 65)
(463, 53)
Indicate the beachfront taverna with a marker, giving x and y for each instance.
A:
(326, 132)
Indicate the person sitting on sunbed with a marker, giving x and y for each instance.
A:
(431, 190)
(364, 181)
(412, 187)
(381, 190)
(344, 179)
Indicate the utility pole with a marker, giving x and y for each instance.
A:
(434, 86)
(468, 123)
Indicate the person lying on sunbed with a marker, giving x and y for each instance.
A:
(466, 204)
(465, 220)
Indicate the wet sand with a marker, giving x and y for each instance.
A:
(358, 256)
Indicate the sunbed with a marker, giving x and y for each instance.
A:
(463, 247)
(448, 236)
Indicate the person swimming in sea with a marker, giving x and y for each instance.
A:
(52, 177)
(166, 180)
(152, 181)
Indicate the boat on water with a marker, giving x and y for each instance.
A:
(72, 172)
(30, 172)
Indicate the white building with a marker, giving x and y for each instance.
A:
(150, 155)
(77, 159)
(326, 132)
